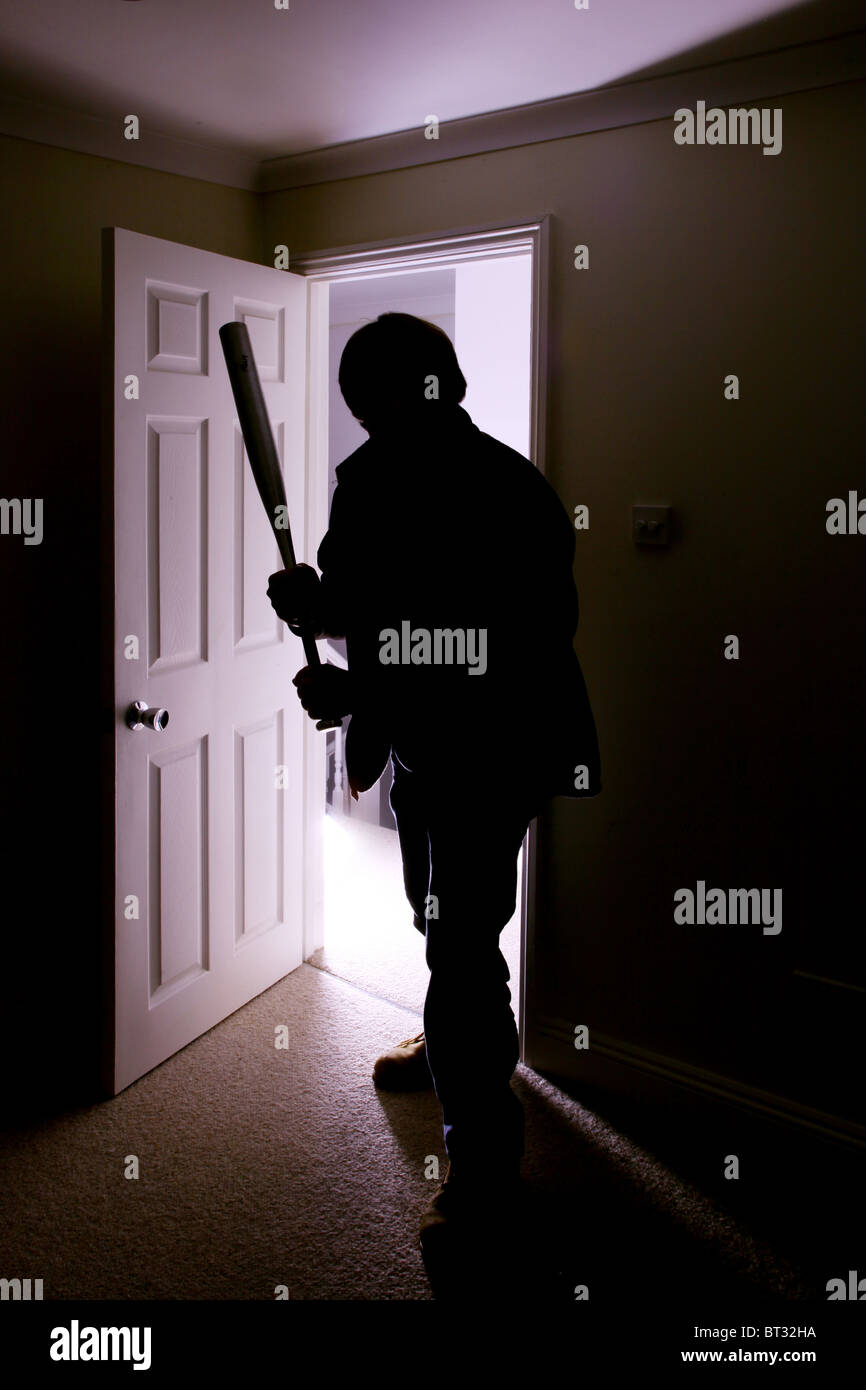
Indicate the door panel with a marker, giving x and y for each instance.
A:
(209, 813)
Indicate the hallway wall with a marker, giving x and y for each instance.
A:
(56, 202)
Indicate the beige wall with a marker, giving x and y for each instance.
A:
(55, 203)
(703, 262)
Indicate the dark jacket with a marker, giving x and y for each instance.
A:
(443, 530)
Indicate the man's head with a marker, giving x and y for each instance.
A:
(396, 367)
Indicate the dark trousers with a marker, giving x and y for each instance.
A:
(460, 837)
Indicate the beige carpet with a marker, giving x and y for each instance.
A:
(258, 1167)
(262, 1167)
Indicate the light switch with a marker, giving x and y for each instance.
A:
(651, 525)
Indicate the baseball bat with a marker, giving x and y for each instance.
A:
(262, 454)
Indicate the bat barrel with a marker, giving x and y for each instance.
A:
(256, 430)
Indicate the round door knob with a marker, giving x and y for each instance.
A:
(138, 716)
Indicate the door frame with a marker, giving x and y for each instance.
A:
(370, 260)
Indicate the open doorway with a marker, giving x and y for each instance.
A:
(485, 304)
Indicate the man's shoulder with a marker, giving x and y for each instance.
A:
(469, 449)
(516, 470)
(504, 457)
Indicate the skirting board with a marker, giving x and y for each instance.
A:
(626, 1068)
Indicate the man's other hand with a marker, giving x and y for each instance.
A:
(294, 596)
(324, 691)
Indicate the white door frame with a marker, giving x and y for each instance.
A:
(368, 261)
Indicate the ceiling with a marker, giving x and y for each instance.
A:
(244, 76)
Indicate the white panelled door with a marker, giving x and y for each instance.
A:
(209, 812)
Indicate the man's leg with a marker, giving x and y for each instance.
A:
(472, 1040)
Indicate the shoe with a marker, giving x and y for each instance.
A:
(478, 1205)
(404, 1068)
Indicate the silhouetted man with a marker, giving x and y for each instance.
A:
(447, 567)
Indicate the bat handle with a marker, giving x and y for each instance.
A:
(311, 651)
(286, 549)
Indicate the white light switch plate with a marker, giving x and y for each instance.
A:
(651, 525)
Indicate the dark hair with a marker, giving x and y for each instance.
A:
(386, 364)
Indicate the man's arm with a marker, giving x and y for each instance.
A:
(303, 599)
(546, 608)
(332, 557)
